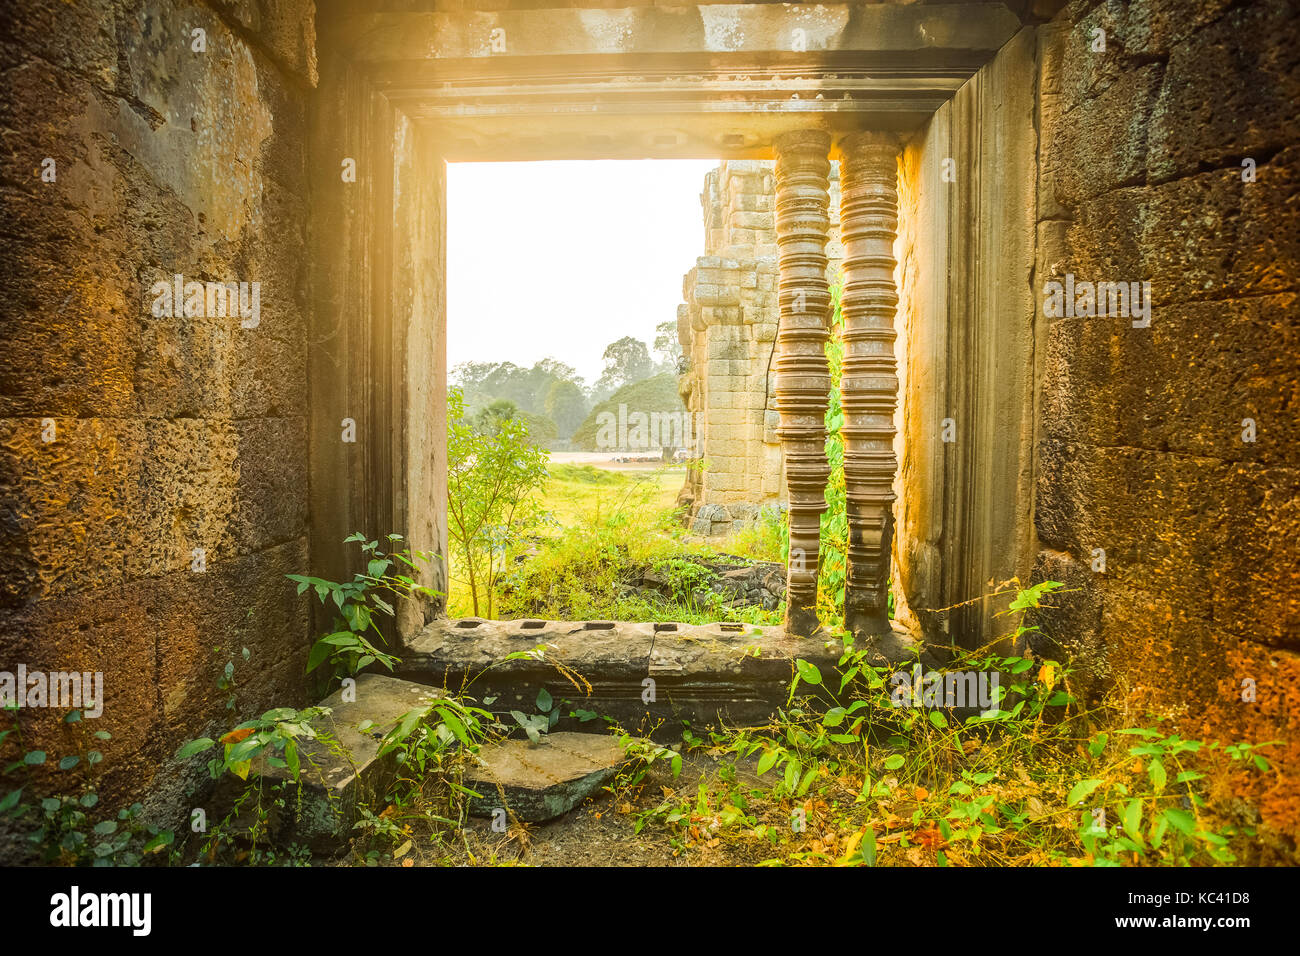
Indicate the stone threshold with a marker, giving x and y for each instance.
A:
(650, 677)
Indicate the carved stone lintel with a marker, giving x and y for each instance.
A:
(869, 384)
(802, 373)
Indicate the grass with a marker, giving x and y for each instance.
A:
(604, 531)
(843, 775)
(580, 494)
(632, 512)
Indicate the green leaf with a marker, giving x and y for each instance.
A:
(868, 847)
(320, 653)
(894, 761)
(106, 827)
(834, 717)
(1158, 831)
(768, 760)
(342, 639)
(245, 749)
(809, 775)
(34, 758)
(1097, 745)
(1133, 821)
(938, 719)
(543, 700)
(10, 800)
(67, 763)
(455, 724)
(194, 747)
(1081, 790)
(808, 673)
(1156, 771)
(164, 839)
(291, 757)
(1181, 820)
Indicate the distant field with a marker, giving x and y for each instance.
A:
(582, 492)
(604, 460)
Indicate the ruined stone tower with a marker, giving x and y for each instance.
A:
(727, 328)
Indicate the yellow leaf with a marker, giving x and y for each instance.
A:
(850, 847)
(1047, 674)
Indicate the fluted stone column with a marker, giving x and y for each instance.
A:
(802, 373)
(869, 384)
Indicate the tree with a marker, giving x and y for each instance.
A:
(489, 420)
(626, 361)
(557, 370)
(491, 480)
(668, 347)
(483, 383)
(566, 405)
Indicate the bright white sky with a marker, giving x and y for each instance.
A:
(561, 258)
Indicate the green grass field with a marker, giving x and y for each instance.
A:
(585, 496)
(579, 494)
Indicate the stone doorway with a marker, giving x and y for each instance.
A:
(403, 92)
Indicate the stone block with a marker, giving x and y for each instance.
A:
(752, 220)
(1230, 90)
(702, 673)
(540, 781)
(1105, 137)
(334, 785)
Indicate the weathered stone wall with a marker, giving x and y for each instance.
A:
(128, 441)
(1141, 450)
(727, 327)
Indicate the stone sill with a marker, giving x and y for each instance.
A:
(705, 674)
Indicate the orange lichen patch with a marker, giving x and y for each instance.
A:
(1213, 686)
(1274, 678)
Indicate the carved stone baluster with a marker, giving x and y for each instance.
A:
(869, 384)
(802, 372)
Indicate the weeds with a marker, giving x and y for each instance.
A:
(360, 603)
(63, 830)
(848, 777)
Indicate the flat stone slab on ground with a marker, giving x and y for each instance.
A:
(339, 777)
(544, 780)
